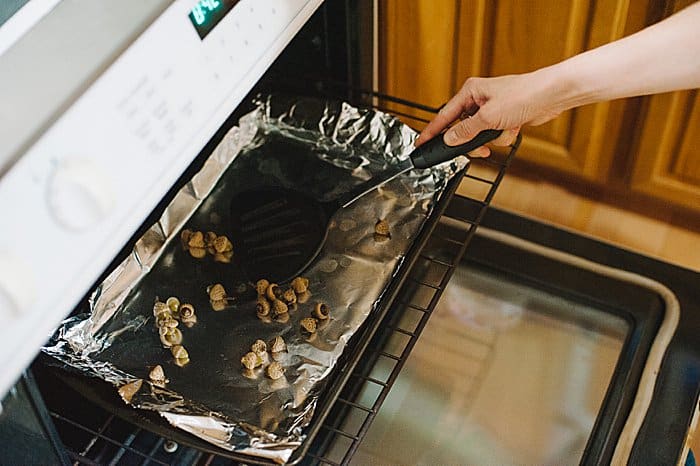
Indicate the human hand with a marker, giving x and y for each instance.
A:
(504, 102)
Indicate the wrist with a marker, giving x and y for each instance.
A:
(565, 86)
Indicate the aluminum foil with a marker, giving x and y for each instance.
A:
(324, 148)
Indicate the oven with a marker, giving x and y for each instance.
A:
(511, 343)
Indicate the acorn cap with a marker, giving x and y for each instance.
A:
(249, 360)
(127, 391)
(289, 296)
(275, 370)
(272, 291)
(300, 284)
(277, 344)
(308, 324)
(186, 311)
(216, 292)
(179, 352)
(157, 372)
(160, 308)
(182, 362)
(173, 303)
(262, 307)
(258, 346)
(261, 286)
(279, 307)
(196, 240)
(322, 311)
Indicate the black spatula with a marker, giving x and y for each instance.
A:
(277, 232)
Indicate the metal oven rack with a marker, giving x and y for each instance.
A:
(94, 436)
(370, 382)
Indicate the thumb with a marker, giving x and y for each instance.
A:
(465, 130)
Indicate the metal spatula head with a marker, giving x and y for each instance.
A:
(278, 232)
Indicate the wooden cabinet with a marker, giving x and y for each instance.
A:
(667, 160)
(519, 36)
(643, 146)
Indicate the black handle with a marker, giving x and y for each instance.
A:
(436, 151)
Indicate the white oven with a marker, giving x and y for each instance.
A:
(104, 107)
(107, 109)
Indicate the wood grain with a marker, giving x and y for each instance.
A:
(416, 50)
(554, 204)
(428, 49)
(667, 165)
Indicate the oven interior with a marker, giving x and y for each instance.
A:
(332, 57)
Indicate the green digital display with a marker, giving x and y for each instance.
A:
(206, 14)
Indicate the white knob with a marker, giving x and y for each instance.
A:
(79, 194)
(17, 291)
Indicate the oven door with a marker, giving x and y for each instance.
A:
(27, 433)
(544, 348)
(530, 356)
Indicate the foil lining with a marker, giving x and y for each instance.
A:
(321, 147)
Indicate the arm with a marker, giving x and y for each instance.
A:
(663, 57)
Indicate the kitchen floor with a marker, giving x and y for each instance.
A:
(627, 229)
(463, 398)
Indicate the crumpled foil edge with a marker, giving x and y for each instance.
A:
(76, 339)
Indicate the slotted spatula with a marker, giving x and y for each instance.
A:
(277, 232)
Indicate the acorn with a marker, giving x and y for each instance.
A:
(275, 370)
(300, 284)
(262, 307)
(322, 311)
(308, 325)
(261, 286)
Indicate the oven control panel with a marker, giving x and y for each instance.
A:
(76, 196)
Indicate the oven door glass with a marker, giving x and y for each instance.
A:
(503, 374)
(26, 433)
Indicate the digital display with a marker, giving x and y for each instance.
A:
(206, 14)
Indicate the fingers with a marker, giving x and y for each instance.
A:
(449, 113)
(506, 138)
(482, 151)
(465, 130)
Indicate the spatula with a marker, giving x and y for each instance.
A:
(277, 232)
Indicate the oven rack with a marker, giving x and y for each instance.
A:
(94, 436)
(370, 382)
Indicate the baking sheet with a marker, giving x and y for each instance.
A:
(323, 148)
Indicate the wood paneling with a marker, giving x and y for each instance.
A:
(644, 147)
(417, 48)
(429, 48)
(667, 164)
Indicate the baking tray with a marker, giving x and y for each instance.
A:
(105, 395)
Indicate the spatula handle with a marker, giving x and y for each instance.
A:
(436, 151)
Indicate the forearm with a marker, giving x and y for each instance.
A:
(661, 58)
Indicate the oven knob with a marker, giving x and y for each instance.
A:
(17, 291)
(79, 195)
